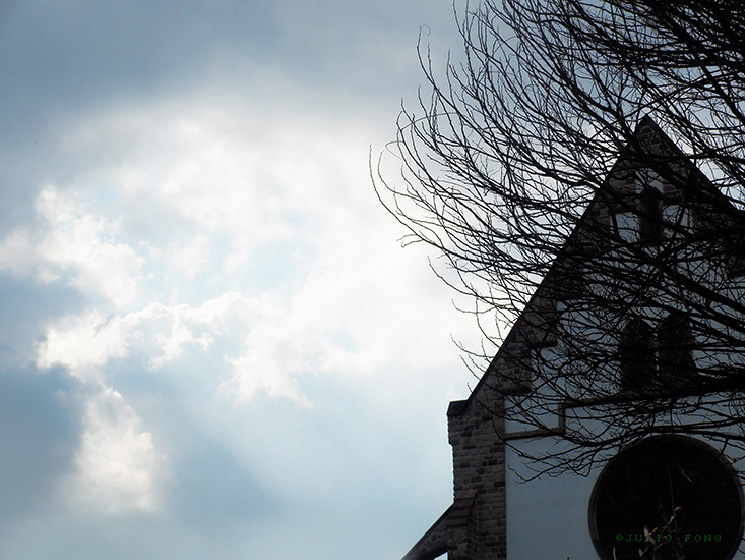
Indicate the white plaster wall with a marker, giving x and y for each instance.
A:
(547, 518)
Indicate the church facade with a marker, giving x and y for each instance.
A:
(630, 503)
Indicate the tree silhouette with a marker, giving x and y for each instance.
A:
(581, 171)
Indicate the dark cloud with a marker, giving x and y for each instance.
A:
(68, 57)
(39, 432)
(26, 307)
(62, 60)
(57, 53)
(213, 488)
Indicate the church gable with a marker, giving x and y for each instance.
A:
(610, 323)
(657, 212)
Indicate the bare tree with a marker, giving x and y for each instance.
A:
(531, 167)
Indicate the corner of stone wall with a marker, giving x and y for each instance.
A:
(475, 434)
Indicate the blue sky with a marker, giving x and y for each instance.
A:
(213, 345)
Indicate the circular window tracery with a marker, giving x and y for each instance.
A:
(672, 497)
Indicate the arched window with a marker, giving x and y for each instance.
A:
(650, 215)
(658, 359)
(675, 344)
(638, 363)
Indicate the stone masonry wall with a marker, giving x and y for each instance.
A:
(478, 474)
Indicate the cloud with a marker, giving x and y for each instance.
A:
(188, 257)
(118, 469)
(83, 343)
(270, 361)
(154, 335)
(38, 437)
(192, 254)
(260, 221)
(73, 246)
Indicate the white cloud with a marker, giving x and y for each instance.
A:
(156, 334)
(271, 272)
(269, 366)
(271, 208)
(74, 245)
(85, 243)
(83, 343)
(187, 257)
(118, 469)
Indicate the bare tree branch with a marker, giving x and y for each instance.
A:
(538, 167)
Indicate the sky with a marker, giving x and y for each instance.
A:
(212, 344)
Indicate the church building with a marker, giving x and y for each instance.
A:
(633, 340)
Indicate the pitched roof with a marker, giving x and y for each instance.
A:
(649, 149)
